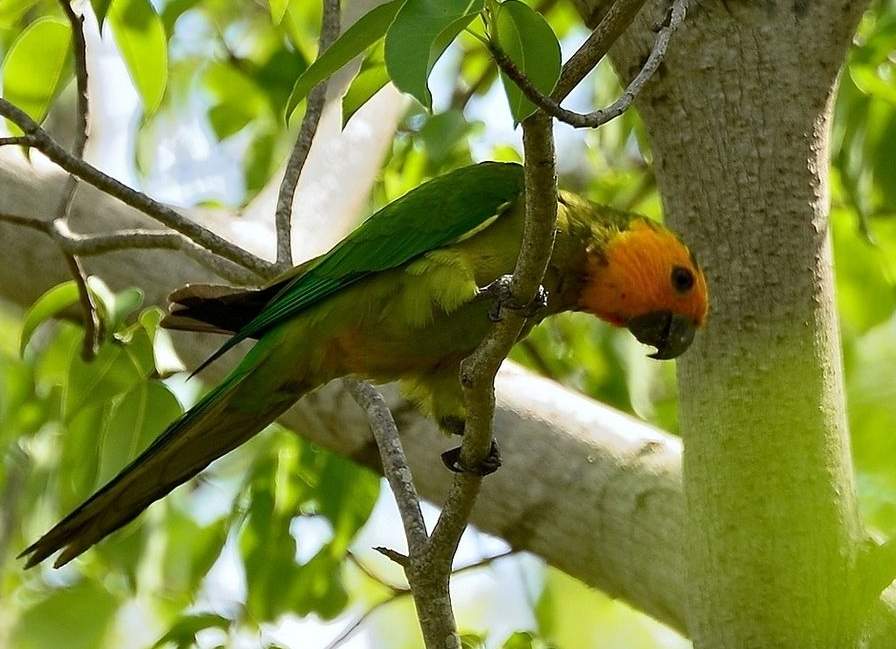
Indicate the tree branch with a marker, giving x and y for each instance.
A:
(92, 321)
(617, 19)
(20, 140)
(429, 588)
(313, 111)
(88, 245)
(398, 593)
(37, 138)
(395, 464)
(479, 370)
(601, 116)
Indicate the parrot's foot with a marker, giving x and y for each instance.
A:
(489, 465)
(501, 292)
(453, 425)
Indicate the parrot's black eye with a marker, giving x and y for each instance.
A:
(682, 279)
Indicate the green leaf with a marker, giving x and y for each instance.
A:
(182, 634)
(443, 133)
(472, 641)
(421, 32)
(370, 80)
(165, 357)
(35, 68)
(239, 99)
(136, 420)
(866, 274)
(190, 551)
(260, 162)
(77, 617)
(11, 11)
(140, 35)
(115, 370)
(173, 10)
(524, 640)
(868, 79)
(525, 36)
(100, 9)
(346, 496)
(357, 38)
(229, 119)
(49, 304)
(278, 10)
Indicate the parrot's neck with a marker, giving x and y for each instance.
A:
(566, 273)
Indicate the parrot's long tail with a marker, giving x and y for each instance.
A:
(254, 394)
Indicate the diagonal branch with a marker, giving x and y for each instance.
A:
(619, 16)
(395, 464)
(428, 587)
(39, 139)
(92, 321)
(601, 116)
(89, 245)
(313, 111)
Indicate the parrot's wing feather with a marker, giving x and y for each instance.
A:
(254, 394)
(433, 215)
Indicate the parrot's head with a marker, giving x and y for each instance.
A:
(644, 278)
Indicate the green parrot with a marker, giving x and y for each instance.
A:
(404, 297)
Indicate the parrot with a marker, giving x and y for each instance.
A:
(404, 297)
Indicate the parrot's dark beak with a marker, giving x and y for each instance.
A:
(670, 333)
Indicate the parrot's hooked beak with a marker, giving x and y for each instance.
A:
(669, 332)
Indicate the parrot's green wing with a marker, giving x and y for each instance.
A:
(434, 214)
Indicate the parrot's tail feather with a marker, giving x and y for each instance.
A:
(219, 309)
(225, 418)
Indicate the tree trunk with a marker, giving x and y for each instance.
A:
(739, 119)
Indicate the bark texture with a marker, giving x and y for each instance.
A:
(739, 118)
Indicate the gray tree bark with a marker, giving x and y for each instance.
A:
(739, 120)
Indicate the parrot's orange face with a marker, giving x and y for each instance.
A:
(646, 279)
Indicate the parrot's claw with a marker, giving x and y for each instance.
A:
(501, 292)
(489, 465)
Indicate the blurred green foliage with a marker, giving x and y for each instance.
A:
(67, 426)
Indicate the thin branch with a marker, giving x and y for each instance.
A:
(395, 464)
(313, 111)
(89, 245)
(92, 319)
(36, 137)
(398, 593)
(600, 116)
(366, 615)
(28, 222)
(21, 140)
(479, 369)
(392, 555)
(80, 55)
(429, 587)
(462, 95)
(617, 19)
(364, 568)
